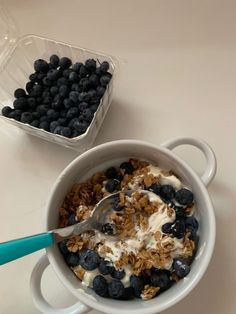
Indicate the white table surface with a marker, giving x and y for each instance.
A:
(177, 76)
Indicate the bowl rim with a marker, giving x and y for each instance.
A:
(205, 258)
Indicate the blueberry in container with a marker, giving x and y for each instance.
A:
(17, 57)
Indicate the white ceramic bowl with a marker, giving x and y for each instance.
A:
(99, 158)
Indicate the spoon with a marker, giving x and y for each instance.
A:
(14, 249)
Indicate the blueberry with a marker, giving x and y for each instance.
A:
(14, 115)
(100, 286)
(62, 121)
(83, 71)
(137, 283)
(184, 197)
(29, 86)
(104, 66)
(33, 78)
(82, 106)
(112, 185)
(92, 94)
(93, 80)
(57, 130)
(181, 268)
(73, 259)
(166, 228)
(46, 93)
(52, 114)
(160, 278)
(63, 91)
(36, 91)
(108, 229)
(62, 81)
(35, 123)
(75, 133)
(76, 66)
(87, 115)
(74, 96)
(47, 81)
(67, 72)
(105, 267)
(18, 112)
(41, 65)
(63, 247)
(41, 75)
(54, 90)
(118, 273)
(72, 112)
(84, 84)
(32, 102)
(178, 229)
(83, 96)
(73, 77)
(89, 259)
(81, 127)
(90, 65)
(63, 113)
(81, 119)
(155, 188)
(68, 103)
(127, 167)
(20, 103)
(72, 219)
(57, 103)
(65, 63)
(19, 92)
(54, 61)
(42, 109)
(35, 115)
(111, 173)
(39, 100)
(47, 100)
(128, 294)
(44, 125)
(193, 233)
(100, 91)
(191, 222)
(26, 117)
(53, 125)
(6, 111)
(116, 289)
(71, 122)
(179, 211)
(167, 192)
(116, 204)
(44, 118)
(75, 87)
(66, 132)
(53, 75)
(104, 80)
(94, 108)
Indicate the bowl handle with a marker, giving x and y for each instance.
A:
(41, 304)
(211, 164)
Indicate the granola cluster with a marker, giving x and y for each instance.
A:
(155, 235)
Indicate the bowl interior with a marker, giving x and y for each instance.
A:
(110, 154)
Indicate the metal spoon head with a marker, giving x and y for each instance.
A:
(103, 208)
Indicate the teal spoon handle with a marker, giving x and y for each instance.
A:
(14, 249)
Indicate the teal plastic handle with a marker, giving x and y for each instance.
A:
(14, 249)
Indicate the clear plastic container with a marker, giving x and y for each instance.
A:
(16, 64)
